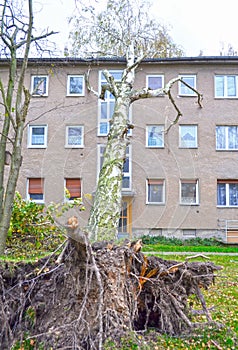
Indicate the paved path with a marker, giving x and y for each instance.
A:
(189, 253)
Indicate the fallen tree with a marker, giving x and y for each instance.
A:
(95, 292)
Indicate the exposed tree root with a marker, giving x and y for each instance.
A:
(94, 293)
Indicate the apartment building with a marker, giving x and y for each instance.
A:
(183, 183)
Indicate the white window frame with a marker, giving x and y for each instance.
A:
(101, 148)
(77, 76)
(189, 233)
(29, 143)
(28, 197)
(226, 135)
(184, 90)
(182, 199)
(159, 181)
(182, 143)
(225, 86)
(227, 184)
(67, 145)
(109, 102)
(148, 127)
(35, 90)
(160, 76)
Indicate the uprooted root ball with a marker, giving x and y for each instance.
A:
(95, 293)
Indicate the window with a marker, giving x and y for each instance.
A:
(39, 85)
(35, 190)
(226, 137)
(226, 86)
(37, 136)
(155, 191)
(227, 193)
(155, 136)
(189, 233)
(75, 85)
(185, 90)
(74, 136)
(188, 136)
(74, 188)
(126, 180)
(189, 192)
(154, 81)
(106, 107)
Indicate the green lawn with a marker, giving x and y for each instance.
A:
(173, 248)
(164, 244)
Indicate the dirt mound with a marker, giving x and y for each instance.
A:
(97, 292)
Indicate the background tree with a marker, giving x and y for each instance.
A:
(125, 29)
(112, 30)
(16, 37)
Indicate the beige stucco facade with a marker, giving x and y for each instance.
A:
(171, 163)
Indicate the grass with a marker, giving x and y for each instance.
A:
(163, 244)
(198, 249)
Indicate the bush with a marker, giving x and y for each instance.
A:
(34, 226)
(161, 240)
(179, 242)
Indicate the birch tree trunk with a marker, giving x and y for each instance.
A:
(105, 213)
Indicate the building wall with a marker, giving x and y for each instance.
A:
(171, 163)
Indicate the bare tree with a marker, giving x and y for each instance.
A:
(123, 29)
(16, 37)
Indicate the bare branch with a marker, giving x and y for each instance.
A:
(89, 87)
(149, 93)
(35, 39)
(200, 96)
(132, 66)
(7, 137)
(197, 256)
(112, 86)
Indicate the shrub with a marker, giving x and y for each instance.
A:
(179, 242)
(34, 225)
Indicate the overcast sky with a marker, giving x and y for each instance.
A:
(202, 25)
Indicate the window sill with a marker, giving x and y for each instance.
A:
(155, 203)
(190, 204)
(36, 201)
(75, 95)
(227, 206)
(226, 98)
(192, 95)
(227, 150)
(37, 147)
(182, 147)
(155, 147)
(77, 147)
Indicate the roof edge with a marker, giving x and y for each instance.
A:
(96, 60)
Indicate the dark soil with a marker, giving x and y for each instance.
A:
(97, 292)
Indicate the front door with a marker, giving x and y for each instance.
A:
(125, 223)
